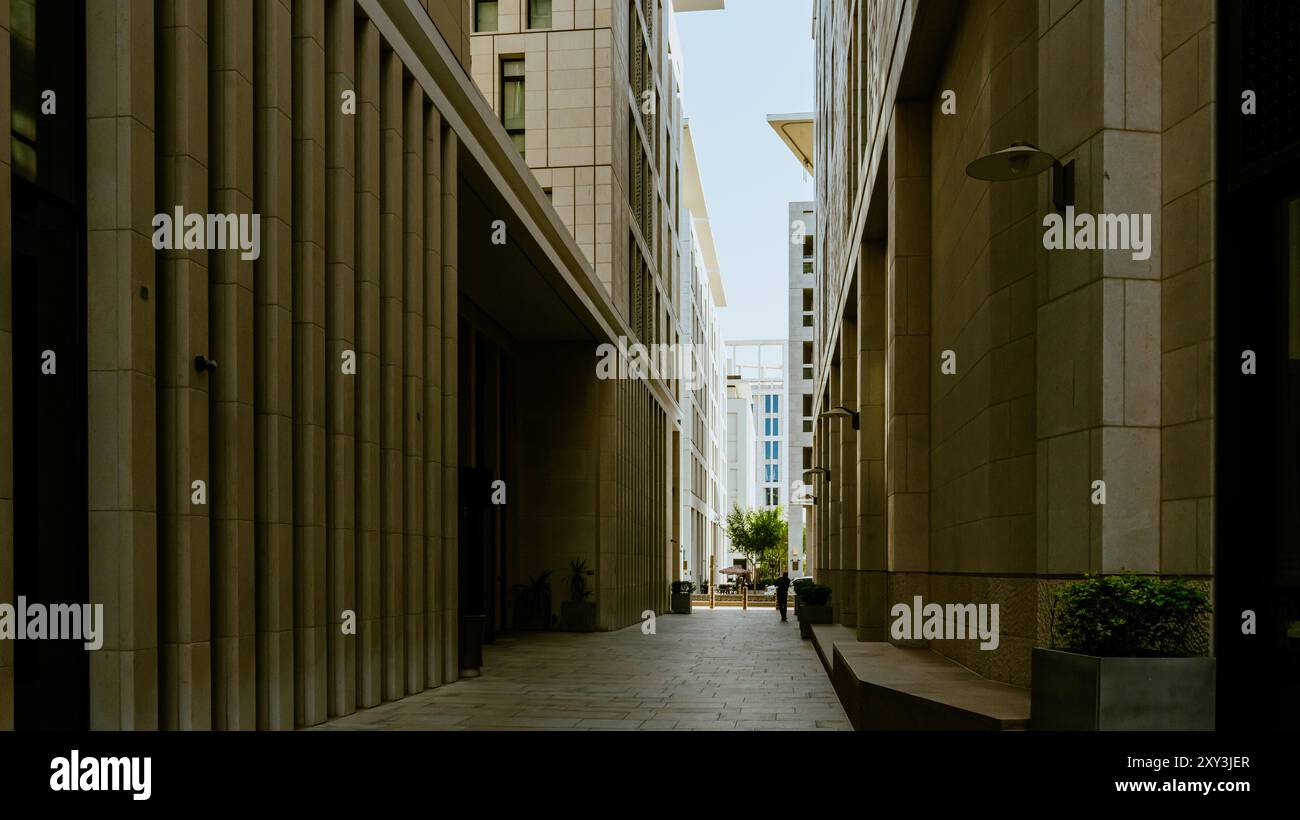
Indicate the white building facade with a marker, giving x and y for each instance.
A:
(800, 380)
(760, 367)
(703, 400)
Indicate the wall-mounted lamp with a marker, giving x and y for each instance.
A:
(1021, 160)
(818, 471)
(204, 364)
(840, 412)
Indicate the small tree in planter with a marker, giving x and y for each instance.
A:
(533, 602)
(814, 607)
(578, 614)
(1125, 655)
(681, 597)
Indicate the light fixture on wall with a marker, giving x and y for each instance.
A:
(1020, 160)
(840, 412)
(818, 471)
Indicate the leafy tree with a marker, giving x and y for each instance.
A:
(760, 535)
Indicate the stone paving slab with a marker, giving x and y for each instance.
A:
(724, 669)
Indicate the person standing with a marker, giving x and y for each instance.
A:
(782, 591)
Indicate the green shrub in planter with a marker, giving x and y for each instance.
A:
(1123, 656)
(578, 614)
(533, 602)
(681, 597)
(814, 607)
(1130, 616)
(815, 594)
(795, 586)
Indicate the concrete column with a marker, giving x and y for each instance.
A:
(847, 478)
(1188, 269)
(450, 427)
(184, 582)
(273, 364)
(433, 385)
(835, 503)
(120, 340)
(392, 329)
(1099, 323)
(6, 391)
(610, 521)
(230, 294)
(413, 382)
(309, 588)
(872, 556)
(340, 332)
(908, 362)
(369, 657)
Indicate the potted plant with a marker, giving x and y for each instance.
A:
(681, 598)
(533, 602)
(814, 607)
(578, 614)
(1127, 653)
(795, 586)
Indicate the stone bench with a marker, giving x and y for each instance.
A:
(890, 688)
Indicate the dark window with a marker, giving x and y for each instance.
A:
(512, 100)
(539, 13)
(485, 15)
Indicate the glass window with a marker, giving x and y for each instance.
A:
(512, 100)
(776, 403)
(485, 15)
(539, 13)
(776, 426)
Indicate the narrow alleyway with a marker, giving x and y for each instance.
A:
(720, 669)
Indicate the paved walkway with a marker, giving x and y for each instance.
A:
(720, 669)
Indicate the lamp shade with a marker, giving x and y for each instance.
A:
(1017, 161)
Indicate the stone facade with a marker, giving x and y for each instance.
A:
(1071, 366)
(372, 365)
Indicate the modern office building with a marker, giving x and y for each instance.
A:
(997, 380)
(703, 405)
(799, 379)
(295, 470)
(759, 365)
(742, 460)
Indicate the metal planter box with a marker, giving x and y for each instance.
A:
(809, 615)
(1073, 692)
(577, 616)
(681, 603)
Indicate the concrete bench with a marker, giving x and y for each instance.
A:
(886, 687)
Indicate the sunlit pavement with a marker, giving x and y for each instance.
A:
(720, 669)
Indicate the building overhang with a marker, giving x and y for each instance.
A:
(698, 5)
(694, 201)
(505, 185)
(796, 131)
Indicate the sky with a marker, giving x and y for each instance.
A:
(753, 58)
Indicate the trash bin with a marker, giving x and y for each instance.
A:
(471, 644)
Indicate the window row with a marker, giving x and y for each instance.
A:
(485, 14)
